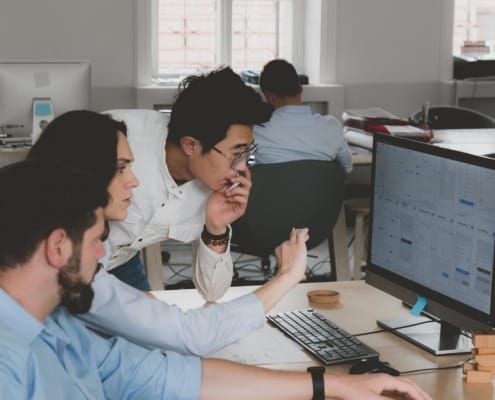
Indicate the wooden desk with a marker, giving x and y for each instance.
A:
(360, 306)
(10, 155)
(360, 156)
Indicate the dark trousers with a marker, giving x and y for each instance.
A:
(132, 273)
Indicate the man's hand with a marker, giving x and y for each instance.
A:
(225, 206)
(291, 255)
(291, 261)
(372, 386)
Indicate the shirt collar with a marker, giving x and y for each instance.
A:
(180, 191)
(293, 109)
(18, 320)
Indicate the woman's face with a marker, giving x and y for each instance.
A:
(120, 188)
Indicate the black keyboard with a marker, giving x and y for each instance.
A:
(327, 341)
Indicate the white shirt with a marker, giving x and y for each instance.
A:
(294, 133)
(119, 309)
(162, 210)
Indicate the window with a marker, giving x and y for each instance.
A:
(177, 37)
(255, 33)
(201, 34)
(474, 28)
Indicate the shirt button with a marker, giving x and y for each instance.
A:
(163, 204)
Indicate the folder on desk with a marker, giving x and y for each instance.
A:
(358, 137)
(365, 117)
(359, 123)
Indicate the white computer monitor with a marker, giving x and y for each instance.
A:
(66, 83)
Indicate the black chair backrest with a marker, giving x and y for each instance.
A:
(451, 117)
(304, 193)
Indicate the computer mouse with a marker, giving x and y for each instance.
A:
(372, 366)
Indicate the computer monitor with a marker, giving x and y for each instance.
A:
(66, 83)
(432, 239)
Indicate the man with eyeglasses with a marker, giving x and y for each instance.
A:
(194, 180)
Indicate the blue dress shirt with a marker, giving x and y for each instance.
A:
(61, 359)
(294, 133)
(121, 310)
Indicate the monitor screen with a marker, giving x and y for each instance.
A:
(66, 83)
(432, 237)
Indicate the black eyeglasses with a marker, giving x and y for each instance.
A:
(236, 159)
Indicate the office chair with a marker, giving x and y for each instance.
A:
(451, 117)
(303, 193)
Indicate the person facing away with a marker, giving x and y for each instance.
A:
(185, 172)
(96, 144)
(293, 132)
(49, 252)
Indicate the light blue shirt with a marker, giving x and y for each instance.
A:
(121, 310)
(61, 359)
(294, 133)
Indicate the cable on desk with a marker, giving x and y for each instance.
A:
(455, 366)
(393, 329)
(414, 371)
(403, 327)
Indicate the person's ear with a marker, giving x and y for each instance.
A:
(271, 98)
(300, 89)
(188, 144)
(58, 247)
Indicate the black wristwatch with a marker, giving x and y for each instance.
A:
(318, 382)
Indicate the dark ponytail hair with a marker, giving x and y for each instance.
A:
(83, 140)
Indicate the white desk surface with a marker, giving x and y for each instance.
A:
(473, 141)
(360, 306)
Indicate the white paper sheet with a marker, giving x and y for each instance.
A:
(265, 346)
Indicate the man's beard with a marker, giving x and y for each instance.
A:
(76, 295)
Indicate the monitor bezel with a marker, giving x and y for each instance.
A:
(438, 305)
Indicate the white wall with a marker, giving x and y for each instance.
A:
(389, 53)
(101, 31)
(388, 41)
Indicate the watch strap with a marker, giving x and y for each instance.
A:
(318, 382)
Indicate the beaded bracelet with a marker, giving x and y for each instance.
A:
(215, 240)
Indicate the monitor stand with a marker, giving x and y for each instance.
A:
(439, 338)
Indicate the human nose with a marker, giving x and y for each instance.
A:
(133, 180)
(240, 165)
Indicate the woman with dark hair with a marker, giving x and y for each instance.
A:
(96, 144)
